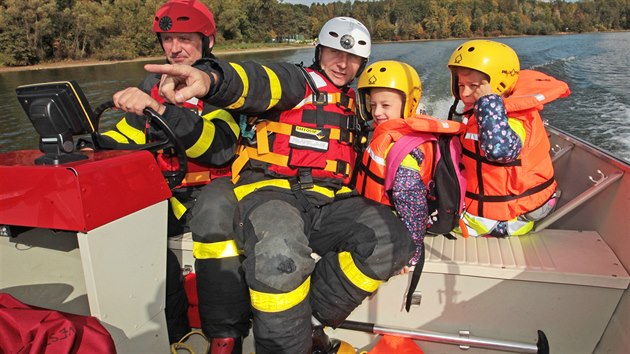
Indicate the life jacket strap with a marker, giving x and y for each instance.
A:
(507, 198)
(485, 160)
(247, 152)
(286, 129)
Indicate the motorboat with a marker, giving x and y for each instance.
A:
(78, 234)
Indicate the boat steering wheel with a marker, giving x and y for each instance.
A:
(170, 142)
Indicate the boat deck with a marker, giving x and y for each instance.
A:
(566, 283)
(551, 256)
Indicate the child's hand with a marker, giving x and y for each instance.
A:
(483, 89)
(405, 270)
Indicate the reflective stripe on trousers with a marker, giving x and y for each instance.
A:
(286, 285)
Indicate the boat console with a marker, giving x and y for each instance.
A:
(58, 111)
(84, 231)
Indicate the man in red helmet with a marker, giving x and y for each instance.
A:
(185, 30)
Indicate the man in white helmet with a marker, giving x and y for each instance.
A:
(292, 182)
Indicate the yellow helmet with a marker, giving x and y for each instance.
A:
(497, 60)
(390, 74)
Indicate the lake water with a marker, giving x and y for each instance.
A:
(594, 65)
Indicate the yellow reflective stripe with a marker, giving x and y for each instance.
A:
(116, 136)
(477, 225)
(344, 190)
(267, 302)
(518, 127)
(178, 208)
(214, 250)
(244, 190)
(354, 274)
(209, 130)
(227, 118)
(519, 228)
(136, 135)
(241, 72)
(205, 140)
(274, 88)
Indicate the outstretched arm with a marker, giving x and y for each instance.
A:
(181, 82)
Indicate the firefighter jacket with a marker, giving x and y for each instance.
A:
(504, 191)
(208, 134)
(302, 126)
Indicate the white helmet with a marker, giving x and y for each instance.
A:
(346, 34)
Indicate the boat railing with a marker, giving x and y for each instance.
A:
(588, 180)
(599, 184)
(557, 151)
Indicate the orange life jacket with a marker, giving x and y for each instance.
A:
(313, 138)
(371, 173)
(504, 191)
(197, 174)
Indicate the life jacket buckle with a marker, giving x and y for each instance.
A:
(342, 168)
(320, 98)
(352, 123)
(345, 136)
(303, 180)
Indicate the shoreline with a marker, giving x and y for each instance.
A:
(94, 62)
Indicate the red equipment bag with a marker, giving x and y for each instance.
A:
(190, 286)
(29, 329)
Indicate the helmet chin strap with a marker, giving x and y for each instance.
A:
(452, 112)
(206, 49)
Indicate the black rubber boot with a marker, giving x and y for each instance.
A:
(176, 309)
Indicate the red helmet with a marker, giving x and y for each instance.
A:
(184, 16)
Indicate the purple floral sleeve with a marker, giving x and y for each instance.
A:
(498, 141)
(409, 196)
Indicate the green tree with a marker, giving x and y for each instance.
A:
(31, 19)
(91, 23)
(460, 26)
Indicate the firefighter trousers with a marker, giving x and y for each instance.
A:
(223, 296)
(361, 244)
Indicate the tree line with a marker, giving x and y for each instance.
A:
(34, 31)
